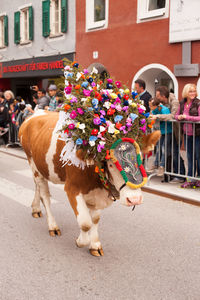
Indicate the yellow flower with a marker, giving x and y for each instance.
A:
(113, 95)
(133, 104)
(116, 131)
(126, 91)
(77, 125)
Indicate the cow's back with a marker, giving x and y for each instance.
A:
(41, 145)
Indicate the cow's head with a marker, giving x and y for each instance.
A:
(125, 170)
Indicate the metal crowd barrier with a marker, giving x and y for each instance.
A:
(177, 145)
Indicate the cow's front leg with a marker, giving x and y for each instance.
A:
(95, 244)
(84, 221)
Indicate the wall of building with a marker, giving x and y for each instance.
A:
(40, 46)
(127, 46)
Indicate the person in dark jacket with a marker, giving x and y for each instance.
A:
(145, 96)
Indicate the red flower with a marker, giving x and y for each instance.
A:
(94, 132)
(110, 112)
(118, 125)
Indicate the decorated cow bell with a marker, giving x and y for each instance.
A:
(125, 154)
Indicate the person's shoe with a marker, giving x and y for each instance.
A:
(160, 171)
(152, 169)
(177, 180)
(188, 184)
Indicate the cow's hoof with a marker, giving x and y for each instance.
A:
(97, 252)
(37, 214)
(55, 232)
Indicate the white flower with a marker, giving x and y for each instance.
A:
(122, 148)
(82, 127)
(78, 76)
(107, 104)
(127, 169)
(111, 128)
(92, 143)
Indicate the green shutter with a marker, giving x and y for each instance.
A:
(17, 27)
(46, 18)
(6, 30)
(30, 10)
(64, 8)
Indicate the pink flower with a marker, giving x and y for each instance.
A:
(140, 110)
(71, 126)
(109, 80)
(73, 100)
(80, 111)
(143, 128)
(117, 100)
(118, 83)
(97, 121)
(100, 147)
(68, 89)
(85, 71)
(86, 93)
(73, 114)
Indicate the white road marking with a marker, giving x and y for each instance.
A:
(17, 192)
(28, 173)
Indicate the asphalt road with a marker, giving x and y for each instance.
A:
(151, 253)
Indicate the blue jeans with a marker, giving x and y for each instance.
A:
(160, 157)
(193, 160)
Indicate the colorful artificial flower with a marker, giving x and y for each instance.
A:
(97, 121)
(73, 114)
(71, 126)
(94, 132)
(80, 111)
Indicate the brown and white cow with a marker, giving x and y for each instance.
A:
(86, 194)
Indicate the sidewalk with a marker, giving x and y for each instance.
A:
(154, 185)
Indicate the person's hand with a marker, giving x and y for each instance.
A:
(46, 108)
(181, 117)
(153, 117)
(35, 88)
(17, 123)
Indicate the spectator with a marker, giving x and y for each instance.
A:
(9, 96)
(165, 140)
(4, 119)
(140, 86)
(52, 93)
(189, 110)
(169, 100)
(43, 101)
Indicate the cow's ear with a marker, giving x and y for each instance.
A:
(81, 154)
(149, 141)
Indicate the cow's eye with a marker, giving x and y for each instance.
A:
(111, 166)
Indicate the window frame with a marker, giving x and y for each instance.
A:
(2, 38)
(23, 39)
(90, 23)
(4, 43)
(52, 19)
(143, 14)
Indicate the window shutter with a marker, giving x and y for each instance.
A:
(46, 18)
(30, 10)
(64, 10)
(17, 27)
(6, 30)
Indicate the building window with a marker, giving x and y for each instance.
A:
(54, 17)
(149, 9)
(96, 14)
(3, 31)
(23, 29)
